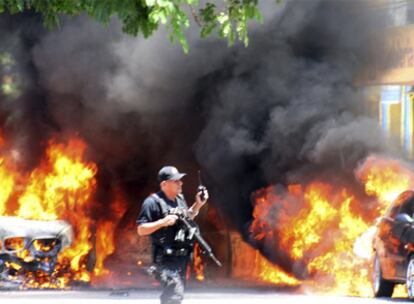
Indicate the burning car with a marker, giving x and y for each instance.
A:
(393, 245)
(30, 248)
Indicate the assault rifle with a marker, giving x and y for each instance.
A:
(193, 232)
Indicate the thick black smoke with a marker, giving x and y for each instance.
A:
(282, 110)
(287, 109)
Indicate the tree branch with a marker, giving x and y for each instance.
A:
(195, 15)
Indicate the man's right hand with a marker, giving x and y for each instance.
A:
(148, 228)
(169, 220)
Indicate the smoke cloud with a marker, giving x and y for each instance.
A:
(290, 95)
(283, 110)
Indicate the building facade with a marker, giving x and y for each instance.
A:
(389, 83)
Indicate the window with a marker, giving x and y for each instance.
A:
(404, 202)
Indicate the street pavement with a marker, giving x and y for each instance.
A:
(194, 296)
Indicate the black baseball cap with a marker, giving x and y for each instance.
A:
(169, 173)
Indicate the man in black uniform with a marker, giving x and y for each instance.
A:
(171, 250)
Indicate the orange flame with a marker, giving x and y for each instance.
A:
(385, 178)
(7, 185)
(104, 245)
(320, 234)
(272, 273)
(320, 225)
(105, 235)
(62, 187)
(198, 263)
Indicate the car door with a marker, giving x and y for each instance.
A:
(403, 230)
(389, 244)
(387, 247)
(398, 249)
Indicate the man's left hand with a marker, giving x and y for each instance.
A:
(201, 196)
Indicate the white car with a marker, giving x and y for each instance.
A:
(30, 247)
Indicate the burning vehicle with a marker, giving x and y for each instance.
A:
(29, 249)
(393, 246)
(48, 236)
(285, 118)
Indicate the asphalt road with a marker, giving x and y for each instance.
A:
(198, 296)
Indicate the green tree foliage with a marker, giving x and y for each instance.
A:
(226, 17)
(9, 78)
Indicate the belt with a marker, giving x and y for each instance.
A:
(176, 252)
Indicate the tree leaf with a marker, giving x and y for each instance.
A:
(227, 18)
(150, 2)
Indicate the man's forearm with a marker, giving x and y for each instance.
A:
(194, 210)
(148, 228)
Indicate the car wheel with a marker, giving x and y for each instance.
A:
(382, 288)
(410, 278)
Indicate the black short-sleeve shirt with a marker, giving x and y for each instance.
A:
(151, 211)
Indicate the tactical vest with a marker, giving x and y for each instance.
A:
(159, 238)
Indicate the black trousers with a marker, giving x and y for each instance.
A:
(172, 276)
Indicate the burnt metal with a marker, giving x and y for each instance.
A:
(393, 246)
(29, 248)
